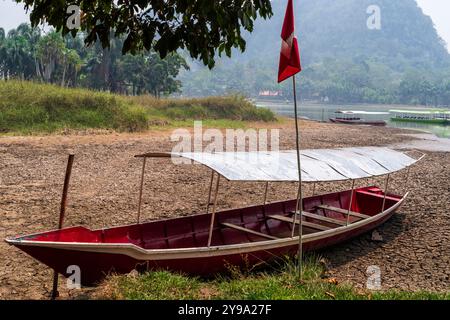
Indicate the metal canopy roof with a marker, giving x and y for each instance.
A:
(317, 165)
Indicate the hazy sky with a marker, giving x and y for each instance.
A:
(11, 14)
(439, 11)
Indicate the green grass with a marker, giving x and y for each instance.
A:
(229, 107)
(34, 108)
(28, 108)
(279, 284)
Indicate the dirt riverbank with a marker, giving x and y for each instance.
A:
(414, 253)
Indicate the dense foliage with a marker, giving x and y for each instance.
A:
(26, 53)
(343, 61)
(201, 26)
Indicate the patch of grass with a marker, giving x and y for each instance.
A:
(229, 107)
(27, 108)
(281, 283)
(160, 285)
(33, 108)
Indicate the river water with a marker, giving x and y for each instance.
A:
(323, 112)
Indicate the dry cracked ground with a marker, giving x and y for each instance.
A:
(414, 253)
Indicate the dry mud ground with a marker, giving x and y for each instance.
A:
(414, 253)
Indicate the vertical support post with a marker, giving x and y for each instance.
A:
(299, 208)
(210, 191)
(350, 204)
(407, 179)
(385, 192)
(140, 190)
(294, 218)
(314, 189)
(265, 193)
(62, 214)
(213, 214)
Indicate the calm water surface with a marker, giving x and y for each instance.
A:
(324, 112)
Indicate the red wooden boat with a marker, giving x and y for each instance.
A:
(207, 243)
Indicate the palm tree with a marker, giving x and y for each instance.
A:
(49, 51)
(2, 54)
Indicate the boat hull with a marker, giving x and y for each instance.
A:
(426, 121)
(97, 259)
(359, 122)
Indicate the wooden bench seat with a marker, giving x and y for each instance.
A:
(304, 223)
(323, 218)
(343, 211)
(256, 233)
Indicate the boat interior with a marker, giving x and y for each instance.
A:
(237, 226)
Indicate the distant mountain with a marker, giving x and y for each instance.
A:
(333, 34)
(338, 29)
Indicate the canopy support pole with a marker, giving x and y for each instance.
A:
(299, 208)
(265, 193)
(62, 214)
(296, 212)
(210, 191)
(213, 214)
(140, 190)
(385, 192)
(407, 179)
(350, 203)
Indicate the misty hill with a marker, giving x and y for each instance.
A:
(330, 28)
(337, 49)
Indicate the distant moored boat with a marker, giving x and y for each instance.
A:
(352, 117)
(424, 116)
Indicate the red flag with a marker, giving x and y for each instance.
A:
(289, 55)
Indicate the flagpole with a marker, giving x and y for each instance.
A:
(299, 208)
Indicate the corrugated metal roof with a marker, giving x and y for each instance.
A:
(317, 165)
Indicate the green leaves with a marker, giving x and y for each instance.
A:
(200, 26)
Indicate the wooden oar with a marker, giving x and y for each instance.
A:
(62, 213)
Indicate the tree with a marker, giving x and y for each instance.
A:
(17, 57)
(148, 73)
(71, 63)
(200, 26)
(2, 54)
(49, 51)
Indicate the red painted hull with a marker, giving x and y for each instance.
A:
(360, 122)
(180, 244)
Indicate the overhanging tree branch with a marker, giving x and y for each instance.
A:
(202, 27)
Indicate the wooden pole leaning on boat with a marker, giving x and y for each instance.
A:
(350, 203)
(210, 191)
(294, 218)
(265, 193)
(385, 192)
(62, 214)
(213, 214)
(144, 161)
